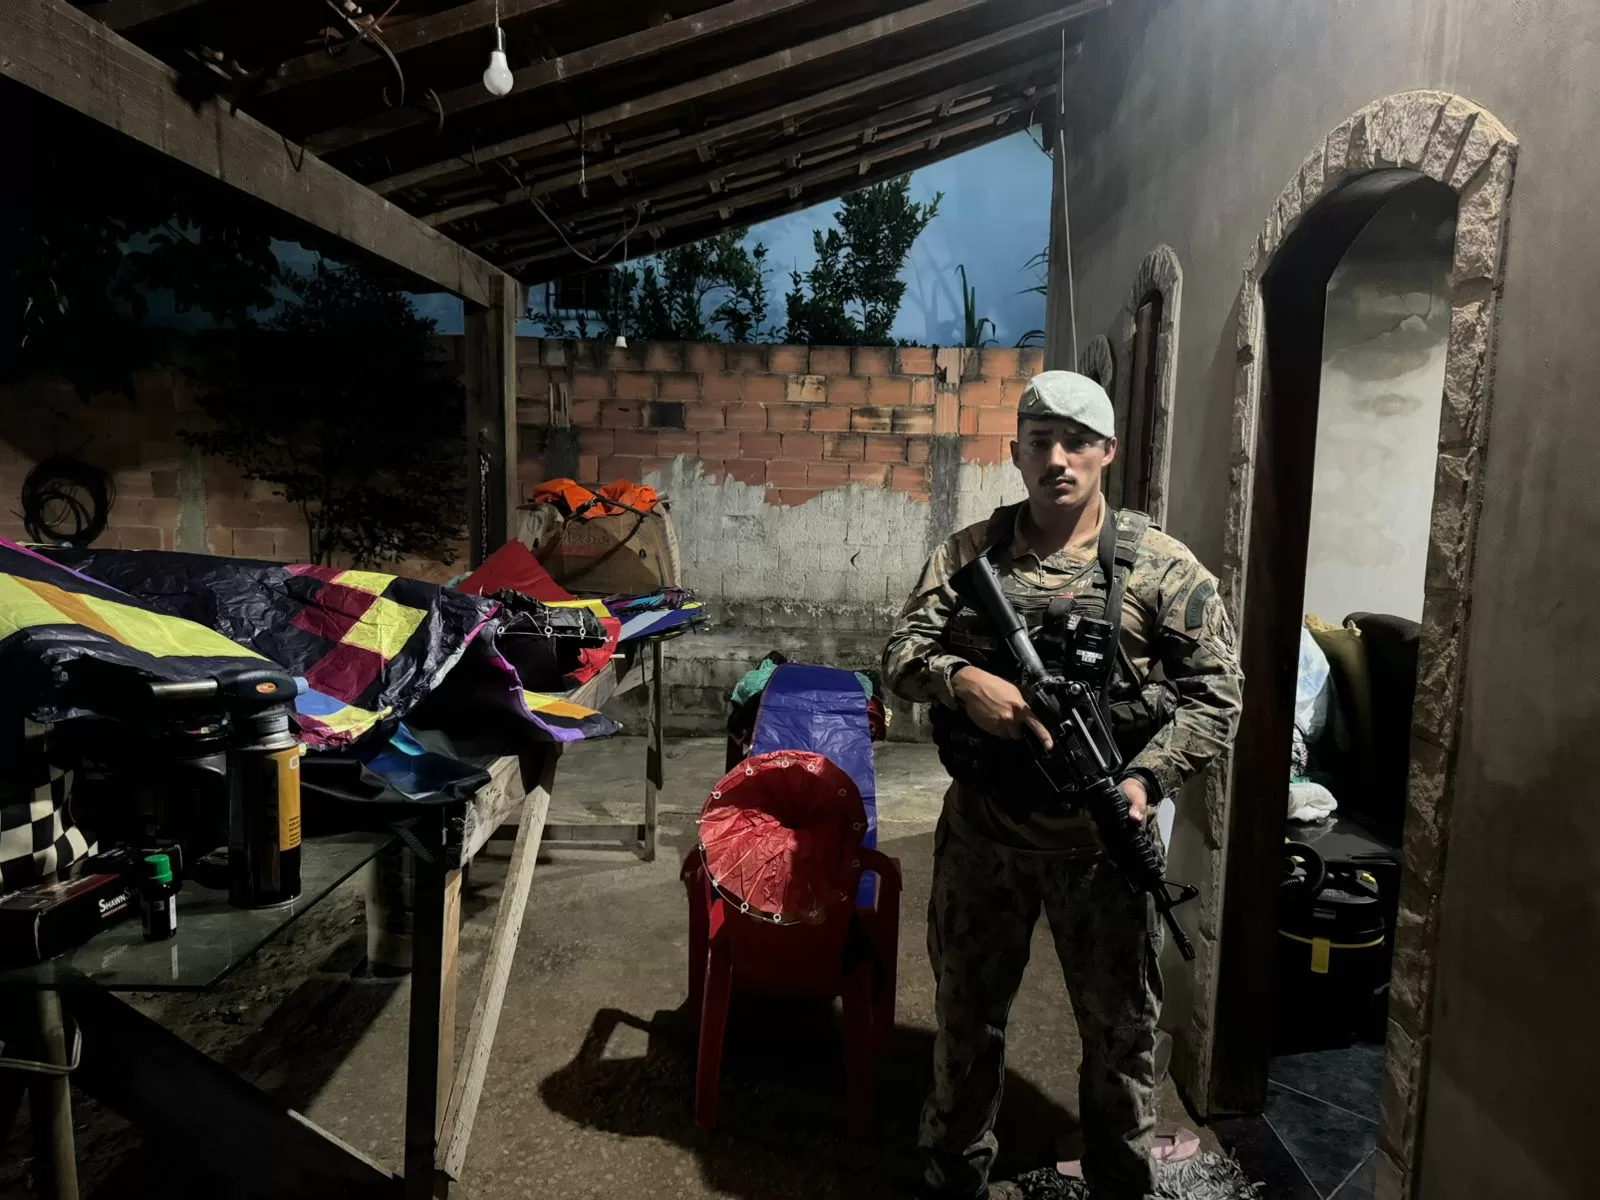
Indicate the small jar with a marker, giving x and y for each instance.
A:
(158, 899)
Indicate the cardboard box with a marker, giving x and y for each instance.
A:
(40, 922)
(618, 555)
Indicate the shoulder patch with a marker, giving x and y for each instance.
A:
(1195, 614)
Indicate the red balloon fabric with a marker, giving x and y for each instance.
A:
(782, 834)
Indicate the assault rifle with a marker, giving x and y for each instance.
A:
(1083, 761)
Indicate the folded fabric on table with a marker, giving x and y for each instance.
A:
(624, 605)
(654, 624)
(54, 619)
(371, 646)
(514, 568)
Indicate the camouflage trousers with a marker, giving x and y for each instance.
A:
(986, 899)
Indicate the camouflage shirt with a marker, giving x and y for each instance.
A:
(1172, 619)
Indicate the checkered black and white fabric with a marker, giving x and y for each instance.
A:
(38, 838)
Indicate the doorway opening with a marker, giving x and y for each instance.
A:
(1384, 335)
(1409, 184)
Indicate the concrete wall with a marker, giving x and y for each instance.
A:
(1383, 358)
(807, 484)
(1189, 119)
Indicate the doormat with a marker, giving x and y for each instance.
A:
(1206, 1176)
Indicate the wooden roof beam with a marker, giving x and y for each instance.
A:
(839, 141)
(701, 143)
(65, 55)
(618, 52)
(809, 52)
(401, 38)
(841, 169)
(129, 14)
(682, 228)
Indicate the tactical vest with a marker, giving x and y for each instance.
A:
(1136, 706)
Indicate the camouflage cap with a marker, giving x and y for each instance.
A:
(1068, 396)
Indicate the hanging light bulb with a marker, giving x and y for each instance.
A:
(622, 341)
(497, 78)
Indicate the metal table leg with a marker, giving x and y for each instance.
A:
(427, 968)
(654, 773)
(55, 1155)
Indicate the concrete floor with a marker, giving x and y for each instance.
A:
(590, 1088)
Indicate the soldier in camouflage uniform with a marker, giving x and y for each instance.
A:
(1005, 848)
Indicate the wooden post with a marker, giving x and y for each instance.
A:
(449, 969)
(538, 774)
(422, 1051)
(490, 380)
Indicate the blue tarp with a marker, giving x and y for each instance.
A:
(824, 710)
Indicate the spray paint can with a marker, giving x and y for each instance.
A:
(264, 809)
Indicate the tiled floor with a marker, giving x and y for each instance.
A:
(1315, 1141)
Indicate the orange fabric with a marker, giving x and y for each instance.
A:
(571, 496)
(634, 495)
(567, 494)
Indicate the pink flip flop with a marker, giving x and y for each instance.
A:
(1165, 1148)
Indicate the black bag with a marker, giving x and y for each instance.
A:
(543, 642)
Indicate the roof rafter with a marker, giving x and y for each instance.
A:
(692, 225)
(618, 52)
(809, 52)
(888, 116)
(401, 39)
(128, 14)
(989, 123)
(932, 125)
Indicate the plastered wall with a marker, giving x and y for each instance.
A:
(1189, 120)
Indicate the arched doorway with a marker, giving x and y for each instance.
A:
(1414, 139)
(1138, 367)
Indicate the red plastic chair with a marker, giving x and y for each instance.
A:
(731, 952)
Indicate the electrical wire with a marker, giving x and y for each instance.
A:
(511, 173)
(60, 488)
(605, 254)
(1066, 205)
(369, 33)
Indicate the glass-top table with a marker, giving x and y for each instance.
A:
(213, 936)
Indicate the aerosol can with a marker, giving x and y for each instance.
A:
(263, 801)
(210, 750)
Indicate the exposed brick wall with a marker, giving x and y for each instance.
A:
(808, 484)
(796, 420)
(168, 497)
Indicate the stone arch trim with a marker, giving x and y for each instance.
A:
(1160, 273)
(1462, 145)
(1098, 362)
